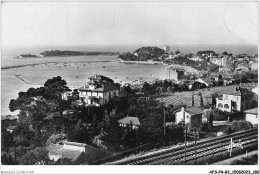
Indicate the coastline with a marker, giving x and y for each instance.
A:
(34, 64)
(168, 66)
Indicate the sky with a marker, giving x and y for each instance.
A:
(128, 23)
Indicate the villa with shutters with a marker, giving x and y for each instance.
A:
(98, 91)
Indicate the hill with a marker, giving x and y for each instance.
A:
(143, 54)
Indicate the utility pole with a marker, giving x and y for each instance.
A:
(231, 144)
(195, 143)
(185, 141)
(164, 133)
(185, 133)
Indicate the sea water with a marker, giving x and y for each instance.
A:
(75, 71)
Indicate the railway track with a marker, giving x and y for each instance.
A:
(203, 148)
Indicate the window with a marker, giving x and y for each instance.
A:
(220, 105)
(226, 106)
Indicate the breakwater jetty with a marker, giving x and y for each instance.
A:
(26, 81)
(38, 84)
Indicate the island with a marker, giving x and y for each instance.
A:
(59, 53)
(28, 56)
(76, 53)
(144, 54)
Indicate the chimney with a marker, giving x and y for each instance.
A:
(182, 107)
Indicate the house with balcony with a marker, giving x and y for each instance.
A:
(99, 90)
(235, 99)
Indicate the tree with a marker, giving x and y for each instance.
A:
(237, 126)
(210, 120)
(7, 140)
(220, 80)
(177, 52)
(201, 99)
(54, 88)
(146, 87)
(36, 156)
(224, 53)
(80, 133)
(169, 89)
(6, 159)
(214, 96)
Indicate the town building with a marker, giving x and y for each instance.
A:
(251, 115)
(129, 121)
(216, 61)
(234, 100)
(98, 91)
(166, 49)
(224, 61)
(196, 58)
(191, 115)
(255, 91)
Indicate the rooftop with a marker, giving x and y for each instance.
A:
(98, 77)
(252, 111)
(129, 120)
(193, 110)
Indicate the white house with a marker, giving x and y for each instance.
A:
(224, 102)
(224, 61)
(216, 61)
(191, 115)
(166, 49)
(196, 58)
(234, 99)
(98, 91)
(251, 115)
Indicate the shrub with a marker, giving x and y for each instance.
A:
(204, 127)
(55, 138)
(238, 126)
(219, 115)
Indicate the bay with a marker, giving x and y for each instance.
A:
(74, 70)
